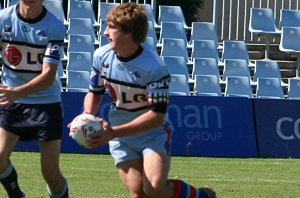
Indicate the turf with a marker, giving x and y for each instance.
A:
(94, 176)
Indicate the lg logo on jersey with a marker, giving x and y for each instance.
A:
(291, 123)
(14, 56)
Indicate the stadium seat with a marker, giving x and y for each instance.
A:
(149, 41)
(263, 24)
(171, 14)
(173, 30)
(174, 47)
(238, 86)
(152, 32)
(82, 9)
(150, 14)
(205, 49)
(56, 7)
(236, 67)
(204, 31)
(205, 66)
(269, 88)
(79, 61)
(293, 91)
(80, 43)
(236, 49)
(82, 26)
(77, 81)
(207, 85)
(267, 69)
(104, 8)
(179, 85)
(177, 65)
(289, 18)
(102, 27)
(290, 43)
(12, 2)
(103, 40)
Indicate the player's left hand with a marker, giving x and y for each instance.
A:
(7, 95)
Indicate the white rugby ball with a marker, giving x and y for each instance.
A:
(82, 126)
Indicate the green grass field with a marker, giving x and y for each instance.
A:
(94, 176)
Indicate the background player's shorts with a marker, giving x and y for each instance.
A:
(33, 122)
(124, 149)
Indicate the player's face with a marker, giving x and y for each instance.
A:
(117, 38)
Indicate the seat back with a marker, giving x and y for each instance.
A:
(289, 18)
(171, 14)
(104, 8)
(176, 65)
(236, 67)
(293, 88)
(174, 47)
(262, 21)
(150, 14)
(204, 31)
(77, 81)
(266, 69)
(238, 86)
(80, 43)
(56, 7)
(207, 85)
(152, 32)
(172, 30)
(269, 88)
(149, 42)
(79, 61)
(205, 66)
(81, 9)
(82, 26)
(235, 49)
(290, 40)
(179, 85)
(205, 49)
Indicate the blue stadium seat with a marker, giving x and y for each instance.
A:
(102, 27)
(179, 85)
(103, 40)
(205, 49)
(263, 24)
(82, 9)
(173, 30)
(56, 7)
(205, 66)
(236, 67)
(293, 91)
(149, 42)
(104, 8)
(82, 26)
(269, 88)
(79, 61)
(171, 14)
(238, 86)
(174, 47)
(289, 18)
(236, 49)
(177, 65)
(204, 31)
(267, 69)
(77, 81)
(152, 32)
(150, 14)
(207, 85)
(80, 43)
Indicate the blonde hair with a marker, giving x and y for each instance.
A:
(131, 18)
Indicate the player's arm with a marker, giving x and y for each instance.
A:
(92, 102)
(10, 94)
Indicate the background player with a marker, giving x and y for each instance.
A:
(30, 100)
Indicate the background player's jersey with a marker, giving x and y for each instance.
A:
(135, 85)
(26, 44)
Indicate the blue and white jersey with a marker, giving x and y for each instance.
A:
(25, 45)
(135, 85)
